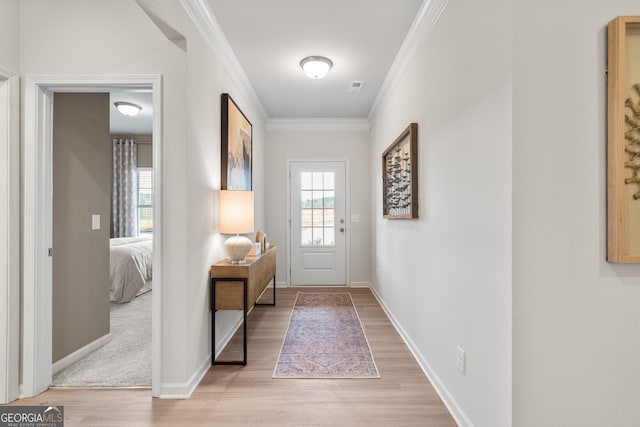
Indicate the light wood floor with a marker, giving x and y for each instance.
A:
(236, 395)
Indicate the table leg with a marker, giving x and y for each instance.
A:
(245, 299)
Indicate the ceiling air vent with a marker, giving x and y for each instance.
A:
(355, 86)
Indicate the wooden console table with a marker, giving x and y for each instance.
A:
(238, 287)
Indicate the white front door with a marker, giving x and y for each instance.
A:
(318, 228)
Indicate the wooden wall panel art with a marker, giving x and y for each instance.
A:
(400, 176)
(623, 145)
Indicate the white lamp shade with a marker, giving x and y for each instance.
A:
(236, 212)
(316, 67)
(236, 217)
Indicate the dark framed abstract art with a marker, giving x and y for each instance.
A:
(236, 147)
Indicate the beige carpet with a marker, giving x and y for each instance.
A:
(325, 339)
(123, 362)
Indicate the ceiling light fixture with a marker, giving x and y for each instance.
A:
(128, 108)
(316, 67)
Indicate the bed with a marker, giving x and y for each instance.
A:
(130, 260)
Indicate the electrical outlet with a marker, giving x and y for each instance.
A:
(461, 360)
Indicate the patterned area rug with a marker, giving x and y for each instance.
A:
(325, 339)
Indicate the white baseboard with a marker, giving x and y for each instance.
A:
(185, 390)
(351, 284)
(452, 405)
(80, 353)
(360, 285)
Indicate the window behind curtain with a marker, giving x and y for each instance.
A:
(145, 200)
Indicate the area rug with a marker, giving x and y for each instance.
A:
(123, 362)
(325, 339)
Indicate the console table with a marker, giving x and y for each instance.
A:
(238, 287)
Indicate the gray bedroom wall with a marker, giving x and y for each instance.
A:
(81, 188)
(145, 154)
(145, 148)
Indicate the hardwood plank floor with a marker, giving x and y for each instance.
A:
(236, 395)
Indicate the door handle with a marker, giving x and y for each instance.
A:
(342, 230)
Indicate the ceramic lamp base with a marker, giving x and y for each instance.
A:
(237, 248)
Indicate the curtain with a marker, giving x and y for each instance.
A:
(124, 199)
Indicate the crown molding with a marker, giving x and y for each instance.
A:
(426, 19)
(207, 24)
(319, 124)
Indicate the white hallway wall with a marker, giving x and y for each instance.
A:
(78, 37)
(324, 142)
(9, 51)
(446, 277)
(575, 317)
(576, 346)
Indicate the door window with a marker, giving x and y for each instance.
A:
(317, 208)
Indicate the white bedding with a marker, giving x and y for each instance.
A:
(130, 264)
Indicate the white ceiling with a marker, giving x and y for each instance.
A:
(141, 124)
(270, 38)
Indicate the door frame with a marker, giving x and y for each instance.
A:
(37, 218)
(347, 204)
(9, 226)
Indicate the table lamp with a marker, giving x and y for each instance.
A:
(236, 217)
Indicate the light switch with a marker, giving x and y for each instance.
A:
(95, 222)
(355, 218)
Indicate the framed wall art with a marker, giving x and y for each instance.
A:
(623, 140)
(236, 147)
(400, 176)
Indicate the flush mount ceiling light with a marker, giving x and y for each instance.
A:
(128, 108)
(316, 67)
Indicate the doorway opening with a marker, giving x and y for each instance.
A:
(102, 178)
(37, 363)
